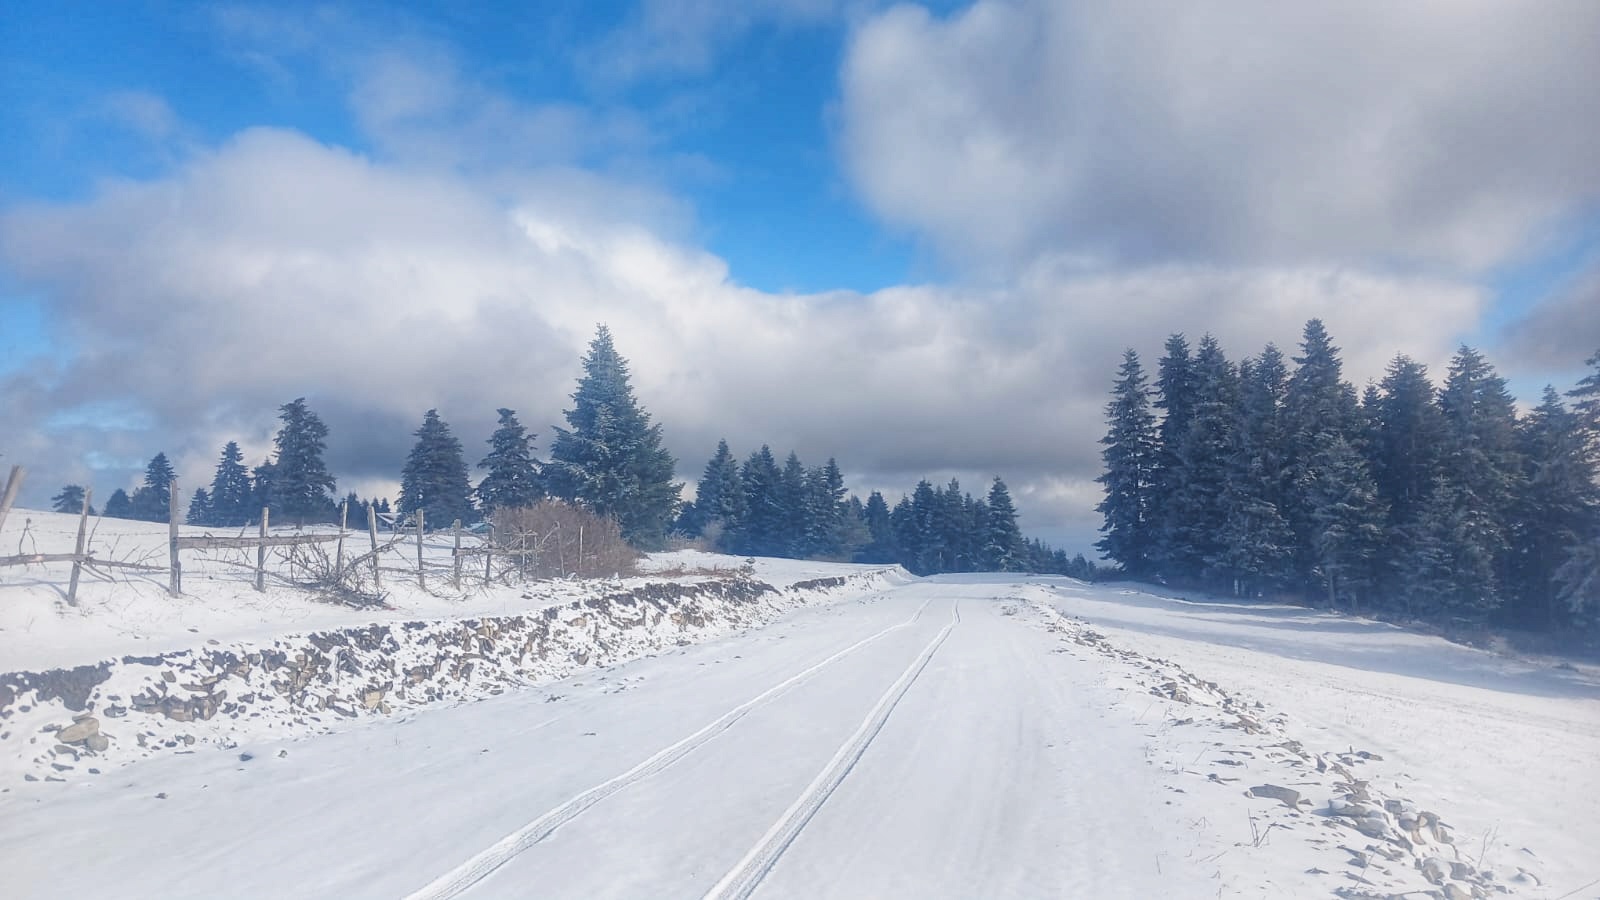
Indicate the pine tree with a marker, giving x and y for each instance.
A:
(1130, 458)
(1558, 505)
(1003, 545)
(70, 500)
(1319, 409)
(512, 480)
(1256, 543)
(759, 531)
(827, 514)
(152, 502)
(119, 505)
(925, 547)
(719, 498)
(882, 546)
(232, 494)
(1196, 507)
(792, 498)
(199, 508)
(435, 475)
(611, 459)
(299, 487)
(1346, 517)
(1175, 396)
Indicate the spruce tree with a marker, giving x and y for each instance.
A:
(1175, 397)
(232, 494)
(1319, 409)
(1256, 543)
(760, 530)
(882, 546)
(1130, 458)
(926, 548)
(152, 502)
(1196, 507)
(299, 485)
(69, 500)
(512, 480)
(1003, 547)
(200, 512)
(1347, 519)
(1557, 507)
(611, 458)
(435, 475)
(719, 498)
(827, 513)
(119, 505)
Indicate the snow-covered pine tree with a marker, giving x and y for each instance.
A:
(792, 499)
(1175, 397)
(1557, 507)
(512, 479)
(1256, 540)
(925, 547)
(1196, 514)
(826, 511)
(152, 502)
(119, 505)
(435, 475)
(882, 546)
(1346, 517)
(1003, 549)
(232, 494)
(1319, 408)
(1130, 458)
(1481, 457)
(199, 508)
(610, 458)
(69, 500)
(719, 497)
(299, 486)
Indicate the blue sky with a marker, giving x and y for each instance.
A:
(913, 236)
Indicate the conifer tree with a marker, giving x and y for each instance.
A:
(610, 458)
(1003, 545)
(299, 487)
(719, 497)
(1480, 457)
(152, 502)
(1319, 409)
(1557, 507)
(435, 475)
(200, 512)
(119, 505)
(69, 500)
(926, 547)
(232, 494)
(1129, 478)
(826, 512)
(512, 480)
(882, 546)
(1196, 512)
(1175, 397)
(1347, 519)
(792, 500)
(1256, 543)
(760, 530)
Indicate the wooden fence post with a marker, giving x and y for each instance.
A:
(261, 552)
(77, 562)
(421, 579)
(175, 583)
(488, 555)
(456, 527)
(372, 531)
(13, 484)
(338, 559)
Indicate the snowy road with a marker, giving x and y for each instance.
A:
(942, 739)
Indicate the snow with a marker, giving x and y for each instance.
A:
(954, 737)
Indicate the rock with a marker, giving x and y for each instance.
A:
(97, 742)
(1434, 869)
(79, 730)
(1287, 796)
(1453, 891)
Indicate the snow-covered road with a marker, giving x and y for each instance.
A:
(941, 739)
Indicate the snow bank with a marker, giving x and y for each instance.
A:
(68, 722)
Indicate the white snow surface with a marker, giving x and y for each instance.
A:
(966, 736)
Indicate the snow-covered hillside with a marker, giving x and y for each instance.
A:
(870, 736)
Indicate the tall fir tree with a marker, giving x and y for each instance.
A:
(152, 502)
(232, 494)
(1129, 478)
(435, 475)
(1003, 547)
(826, 512)
(610, 458)
(512, 477)
(1175, 396)
(1557, 507)
(719, 498)
(1347, 519)
(881, 546)
(760, 529)
(300, 488)
(1256, 543)
(1319, 409)
(119, 505)
(200, 512)
(1196, 513)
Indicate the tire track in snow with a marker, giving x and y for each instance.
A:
(747, 874)
(474, 870)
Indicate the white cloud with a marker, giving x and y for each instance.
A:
(1441, 134)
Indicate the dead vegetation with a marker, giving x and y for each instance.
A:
(553, 539)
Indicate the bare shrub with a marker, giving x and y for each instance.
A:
(312, 568)
(554, 539)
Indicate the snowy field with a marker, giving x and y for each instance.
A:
(966, 736)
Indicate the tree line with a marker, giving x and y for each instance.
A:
(609, 460)
(1440, 502)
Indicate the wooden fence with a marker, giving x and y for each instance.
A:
(176, 543)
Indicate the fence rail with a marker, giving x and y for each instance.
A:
(261, 542)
